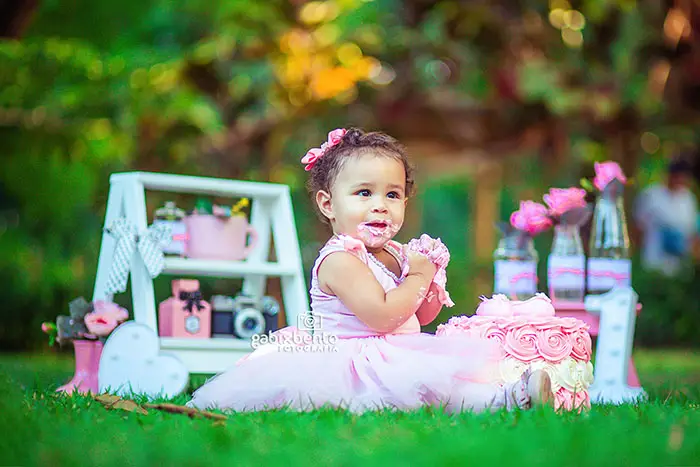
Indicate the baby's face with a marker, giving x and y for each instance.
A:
(368, 199)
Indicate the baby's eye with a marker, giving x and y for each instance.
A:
(364, 193)
(394, 195)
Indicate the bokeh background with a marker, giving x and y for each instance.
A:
(496, 101)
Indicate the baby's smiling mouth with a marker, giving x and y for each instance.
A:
(376, 232)
(376, 224)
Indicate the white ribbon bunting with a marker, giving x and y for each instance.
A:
(150, 246)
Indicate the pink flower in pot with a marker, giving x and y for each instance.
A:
(100, 324)
(561, 200)
(606, 172)
(531, 218)
(105, 317)
(112, 309)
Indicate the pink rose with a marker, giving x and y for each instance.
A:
(495, 334)
(532, 218)
(543, 322)
(455, 325)
(571, 325)
(606, 172)
(560, 200)
(100, 324)
(497, 305)
(553, 344)
(521, 343)
(459, 321)
(581, 346)
(112, 309)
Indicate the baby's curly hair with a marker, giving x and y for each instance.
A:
(355, 143)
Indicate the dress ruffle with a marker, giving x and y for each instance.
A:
(391, 371)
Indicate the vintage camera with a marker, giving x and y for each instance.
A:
(222, 316)
(244, 316)
(270, 310)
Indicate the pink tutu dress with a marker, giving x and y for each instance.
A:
(349, 365)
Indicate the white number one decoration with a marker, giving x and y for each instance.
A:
(618, 314)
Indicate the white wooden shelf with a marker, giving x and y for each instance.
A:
(216, 268)
(271, 215)
(212, 343)
(202, 185)
(208, 356)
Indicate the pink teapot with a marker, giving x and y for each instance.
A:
(212, 237)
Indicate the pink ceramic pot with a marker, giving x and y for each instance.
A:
(211, 237)
(87, 366)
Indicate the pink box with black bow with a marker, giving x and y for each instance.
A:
(185, 314)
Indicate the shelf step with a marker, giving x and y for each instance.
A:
(214, 343)
(216, 268)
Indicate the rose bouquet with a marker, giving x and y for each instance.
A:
(531, 219)
(91, 321)
(607, 173)
(567, 206)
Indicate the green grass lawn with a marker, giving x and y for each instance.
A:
(42, 428)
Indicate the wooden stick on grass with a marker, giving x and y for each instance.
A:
(192, 413)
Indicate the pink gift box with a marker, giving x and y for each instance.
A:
(185, 314)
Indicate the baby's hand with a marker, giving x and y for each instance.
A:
(420, 264)
(433, 248)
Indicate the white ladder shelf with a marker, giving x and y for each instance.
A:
(271, 214)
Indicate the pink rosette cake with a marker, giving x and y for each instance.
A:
(530, 335)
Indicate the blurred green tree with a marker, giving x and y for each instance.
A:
(241, 89)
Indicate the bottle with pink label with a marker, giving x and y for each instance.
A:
(515, 259)
(566, 265)
(515, 266)
(609, 262)
(173, 217)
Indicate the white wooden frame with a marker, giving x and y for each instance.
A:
(271, 213)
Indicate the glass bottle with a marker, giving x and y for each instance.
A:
(515, 266)
(609, 252)
(172, 216)
(566, 265)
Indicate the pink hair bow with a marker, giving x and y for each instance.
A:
(314, 154)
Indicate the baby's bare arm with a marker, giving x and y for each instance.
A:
(348, 278)
(430, 307)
